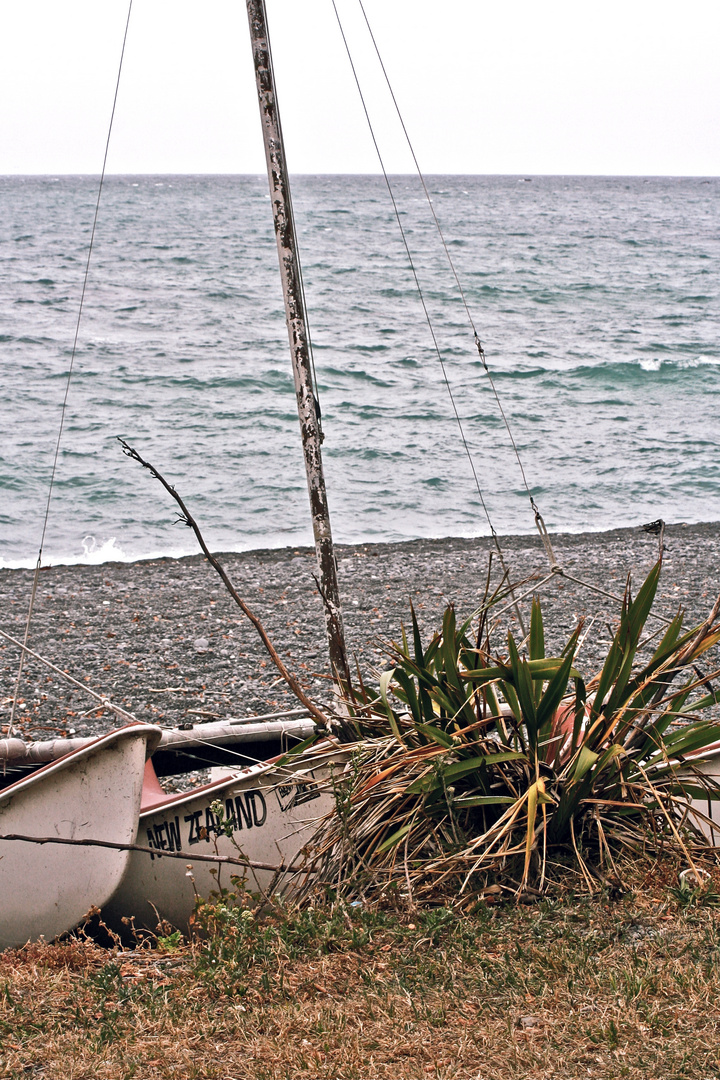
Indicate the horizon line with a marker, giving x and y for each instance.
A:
(524, 175)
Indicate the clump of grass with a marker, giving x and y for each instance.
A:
(479, 768)
(234, 937)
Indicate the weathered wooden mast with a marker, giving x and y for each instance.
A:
(296, 316)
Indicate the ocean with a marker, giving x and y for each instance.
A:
(596, 299)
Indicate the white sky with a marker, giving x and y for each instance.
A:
(516, 86)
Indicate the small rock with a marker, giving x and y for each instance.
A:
(201, 644)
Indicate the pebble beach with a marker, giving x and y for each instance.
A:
(163, 638)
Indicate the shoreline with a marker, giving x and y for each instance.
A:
(162, 637)
(506, 539)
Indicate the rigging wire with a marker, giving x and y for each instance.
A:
(420, 173)
(555, 569)
(193, 740)
(68, 380)
(478, 343)
(421, 295)
(413, 270)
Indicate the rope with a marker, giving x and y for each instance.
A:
(419, 172)
(104, 701)
(156, 853)
(556, 572)
(602, 592)
(68, 380)
(535, 588)
(545, 537)
(555, 568)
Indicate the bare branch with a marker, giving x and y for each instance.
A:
(158, 853)
(186, 518)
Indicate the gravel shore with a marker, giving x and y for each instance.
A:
(164, 639)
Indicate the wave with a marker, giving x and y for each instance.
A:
(630, 367)
(95, 553)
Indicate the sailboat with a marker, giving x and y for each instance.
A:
(263, 812)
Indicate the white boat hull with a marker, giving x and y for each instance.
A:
(708, 763)
(95, 793)
(272, 811)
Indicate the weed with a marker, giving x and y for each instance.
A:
(171, 942)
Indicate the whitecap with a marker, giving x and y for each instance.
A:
(650, 365)
(96, 553)
(699, 361)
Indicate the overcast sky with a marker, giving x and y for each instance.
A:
(562, 86)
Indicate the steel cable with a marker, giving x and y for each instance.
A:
(63, 408)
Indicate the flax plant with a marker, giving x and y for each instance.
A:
(476, 769)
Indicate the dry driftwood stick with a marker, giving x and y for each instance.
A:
(187, 519)
(158, 853)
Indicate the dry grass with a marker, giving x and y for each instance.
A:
(587, 987)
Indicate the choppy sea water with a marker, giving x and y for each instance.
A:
(596, 299)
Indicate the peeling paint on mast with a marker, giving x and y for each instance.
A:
(297, 331)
